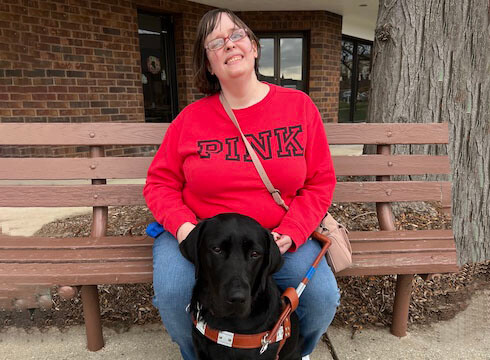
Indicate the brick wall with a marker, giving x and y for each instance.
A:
(325, 33)
(81, 62)
(69, 63)
(73, 63)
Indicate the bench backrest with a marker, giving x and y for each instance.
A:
(96, 193)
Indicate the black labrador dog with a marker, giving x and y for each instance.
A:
(234, 258)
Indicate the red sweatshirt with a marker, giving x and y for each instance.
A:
(202, 167)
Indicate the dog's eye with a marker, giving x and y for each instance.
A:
(254, 254)
(216, 249)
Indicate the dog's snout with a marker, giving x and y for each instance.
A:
(237, 297)
(237, 291)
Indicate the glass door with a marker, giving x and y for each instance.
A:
(346, 62)
(363, 81)
(355, 79)
(158, 73)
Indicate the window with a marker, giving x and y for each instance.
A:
(355, 79)
(158, 67)
(283, 60)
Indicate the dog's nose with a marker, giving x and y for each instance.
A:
(237, 297)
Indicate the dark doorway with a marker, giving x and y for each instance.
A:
(158, 73)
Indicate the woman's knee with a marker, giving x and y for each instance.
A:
(328, 297)
(171, 293)
(322, 295)
(173, 275)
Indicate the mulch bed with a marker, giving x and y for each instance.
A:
(366, 301)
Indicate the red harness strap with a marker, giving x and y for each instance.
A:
(244, 341)
(279, 333)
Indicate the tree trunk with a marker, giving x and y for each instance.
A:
(431, 63)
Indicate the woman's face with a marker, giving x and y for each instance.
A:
(234, 59)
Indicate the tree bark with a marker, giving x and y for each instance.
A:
(431, 63)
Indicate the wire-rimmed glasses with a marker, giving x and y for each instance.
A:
(218, 43)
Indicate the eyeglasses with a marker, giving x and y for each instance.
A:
(218, 43)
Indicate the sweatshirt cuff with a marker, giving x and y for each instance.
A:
(173, 222)
(294, 232)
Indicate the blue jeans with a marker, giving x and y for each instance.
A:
(173, 280)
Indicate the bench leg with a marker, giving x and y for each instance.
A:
(401, 305)
(91, 314)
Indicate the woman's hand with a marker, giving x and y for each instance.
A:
(284, 242)
(184, 230)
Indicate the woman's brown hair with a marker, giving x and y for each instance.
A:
(203, 80)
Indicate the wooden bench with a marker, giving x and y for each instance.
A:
(30, 265)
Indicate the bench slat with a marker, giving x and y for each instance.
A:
(137, 167)
(134, 253)
(152, 134)
(402, 263)
(434, 133)
(390, 165)
(405, 235)
(45, 243)
(392, 191)
(78, 274)
(74, 168)
(71, 196)
(116, 195)
(392, 247)
(414, 241)
(89, 134)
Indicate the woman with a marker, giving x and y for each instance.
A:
(202, 169)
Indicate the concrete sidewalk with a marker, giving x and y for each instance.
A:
(149, 342)
(467, 336)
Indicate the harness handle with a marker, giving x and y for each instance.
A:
(293, 294)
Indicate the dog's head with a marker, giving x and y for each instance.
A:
(234, 256)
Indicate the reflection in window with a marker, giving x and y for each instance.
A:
(363, 81)
(355, 79)
(266, 65)
(282, 60)
(345, 81)
(291, 60)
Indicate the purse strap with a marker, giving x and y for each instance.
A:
(276, 194)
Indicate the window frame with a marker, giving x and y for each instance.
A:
(277, 36)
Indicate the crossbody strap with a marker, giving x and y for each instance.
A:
(276, 194)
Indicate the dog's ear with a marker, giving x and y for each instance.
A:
(189, 248)
(272, 259)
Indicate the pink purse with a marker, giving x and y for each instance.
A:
(339, 254)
